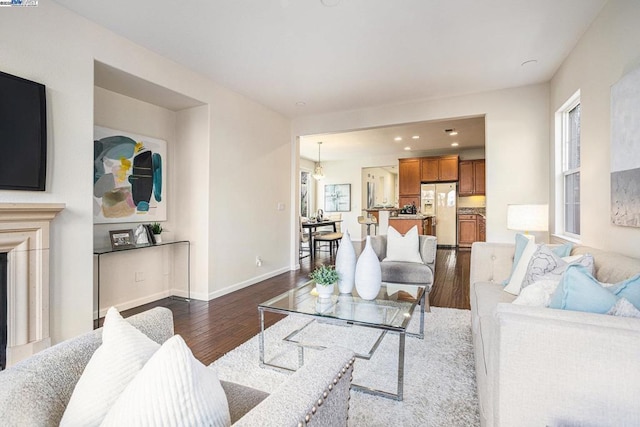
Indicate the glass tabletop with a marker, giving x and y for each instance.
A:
(392, 308)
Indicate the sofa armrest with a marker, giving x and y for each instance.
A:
(557, 367)
(428, 249)
(490, 262)
(302, 396)
(36, 391)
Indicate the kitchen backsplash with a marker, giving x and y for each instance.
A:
(472, 202)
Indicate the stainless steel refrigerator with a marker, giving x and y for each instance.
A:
(441, 200)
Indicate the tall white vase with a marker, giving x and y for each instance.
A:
(368, 273)
(346, 264)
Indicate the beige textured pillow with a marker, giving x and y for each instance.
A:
(123, 353)
(173, 388)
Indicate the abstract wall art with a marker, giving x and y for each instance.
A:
(625, 150)
(128, 177)
(337, 197)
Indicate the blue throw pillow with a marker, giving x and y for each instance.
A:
(521, 243)
(562, 250)
(580, 291)
(629, 289)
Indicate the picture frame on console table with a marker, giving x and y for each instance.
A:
(121, 239)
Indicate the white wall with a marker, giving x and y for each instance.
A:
(248, 150)
(608, 50)
(517, 142)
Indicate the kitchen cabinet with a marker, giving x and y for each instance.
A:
(471, 228)
(409, 177)
(472, 178)
(439, 169)
(402, 225)
(409, 182)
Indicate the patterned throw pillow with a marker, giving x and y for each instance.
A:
(546, 265)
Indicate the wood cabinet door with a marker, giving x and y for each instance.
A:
(466, 186)
(467, 230)
(429, 169)
(448, 168)
(479, 175)
(409, 177)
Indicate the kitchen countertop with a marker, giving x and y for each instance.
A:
(472, 211)
(407, 216)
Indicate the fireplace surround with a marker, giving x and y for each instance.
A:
(24, 237)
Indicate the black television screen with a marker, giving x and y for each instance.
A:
(23, 134)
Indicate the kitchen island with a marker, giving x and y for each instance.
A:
(403, 223)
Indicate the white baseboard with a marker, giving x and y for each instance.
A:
(247, 283)
(137, 302)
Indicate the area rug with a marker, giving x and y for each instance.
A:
(439, 382)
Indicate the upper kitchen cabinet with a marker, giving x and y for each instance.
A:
(409, 177)
(472, 178)
(439, 169)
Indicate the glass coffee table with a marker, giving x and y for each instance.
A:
(391, 311)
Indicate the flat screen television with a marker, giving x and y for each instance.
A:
(23, 134)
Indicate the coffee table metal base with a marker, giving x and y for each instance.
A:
(383, 331)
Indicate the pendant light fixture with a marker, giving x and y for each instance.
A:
(318, 173)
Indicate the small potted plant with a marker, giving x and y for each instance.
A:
(325, 277)
(156, 229)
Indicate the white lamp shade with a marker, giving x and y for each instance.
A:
(528, 217)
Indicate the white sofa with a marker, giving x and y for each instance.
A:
(538, 366)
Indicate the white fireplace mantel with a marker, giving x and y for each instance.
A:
(24, 235)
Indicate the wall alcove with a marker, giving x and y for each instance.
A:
(129, 103)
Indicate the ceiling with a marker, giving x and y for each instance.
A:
(382, 141)
(302, 57)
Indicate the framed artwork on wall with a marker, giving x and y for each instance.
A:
(337, 197)
(625, 150)
(129, 175)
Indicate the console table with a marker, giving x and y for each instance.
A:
(100, 252)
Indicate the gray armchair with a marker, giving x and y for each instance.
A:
(411, 273)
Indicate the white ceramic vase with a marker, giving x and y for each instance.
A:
(346, 264)
(368, 273)
(325, 291)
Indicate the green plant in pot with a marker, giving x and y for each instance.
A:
(325, 277)
(156, 229)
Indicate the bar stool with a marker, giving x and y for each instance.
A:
(368, 222)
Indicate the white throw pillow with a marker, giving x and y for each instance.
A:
(538, 294)
(123, 353)
(515, 282)
(403, 248)
(172, 389)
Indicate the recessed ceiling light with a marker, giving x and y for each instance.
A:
(415, 137)
(454, 144)
(407, 148)
(397, 138)
(300, 104)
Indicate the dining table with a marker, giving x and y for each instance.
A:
(312, 226)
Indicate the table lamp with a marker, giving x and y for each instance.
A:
(528, 218)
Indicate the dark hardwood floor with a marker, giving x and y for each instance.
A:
(213, 328)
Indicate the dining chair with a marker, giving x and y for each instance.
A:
(304, 238)
(333, 238)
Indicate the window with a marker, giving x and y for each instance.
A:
(568, 166)
(305, 193)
